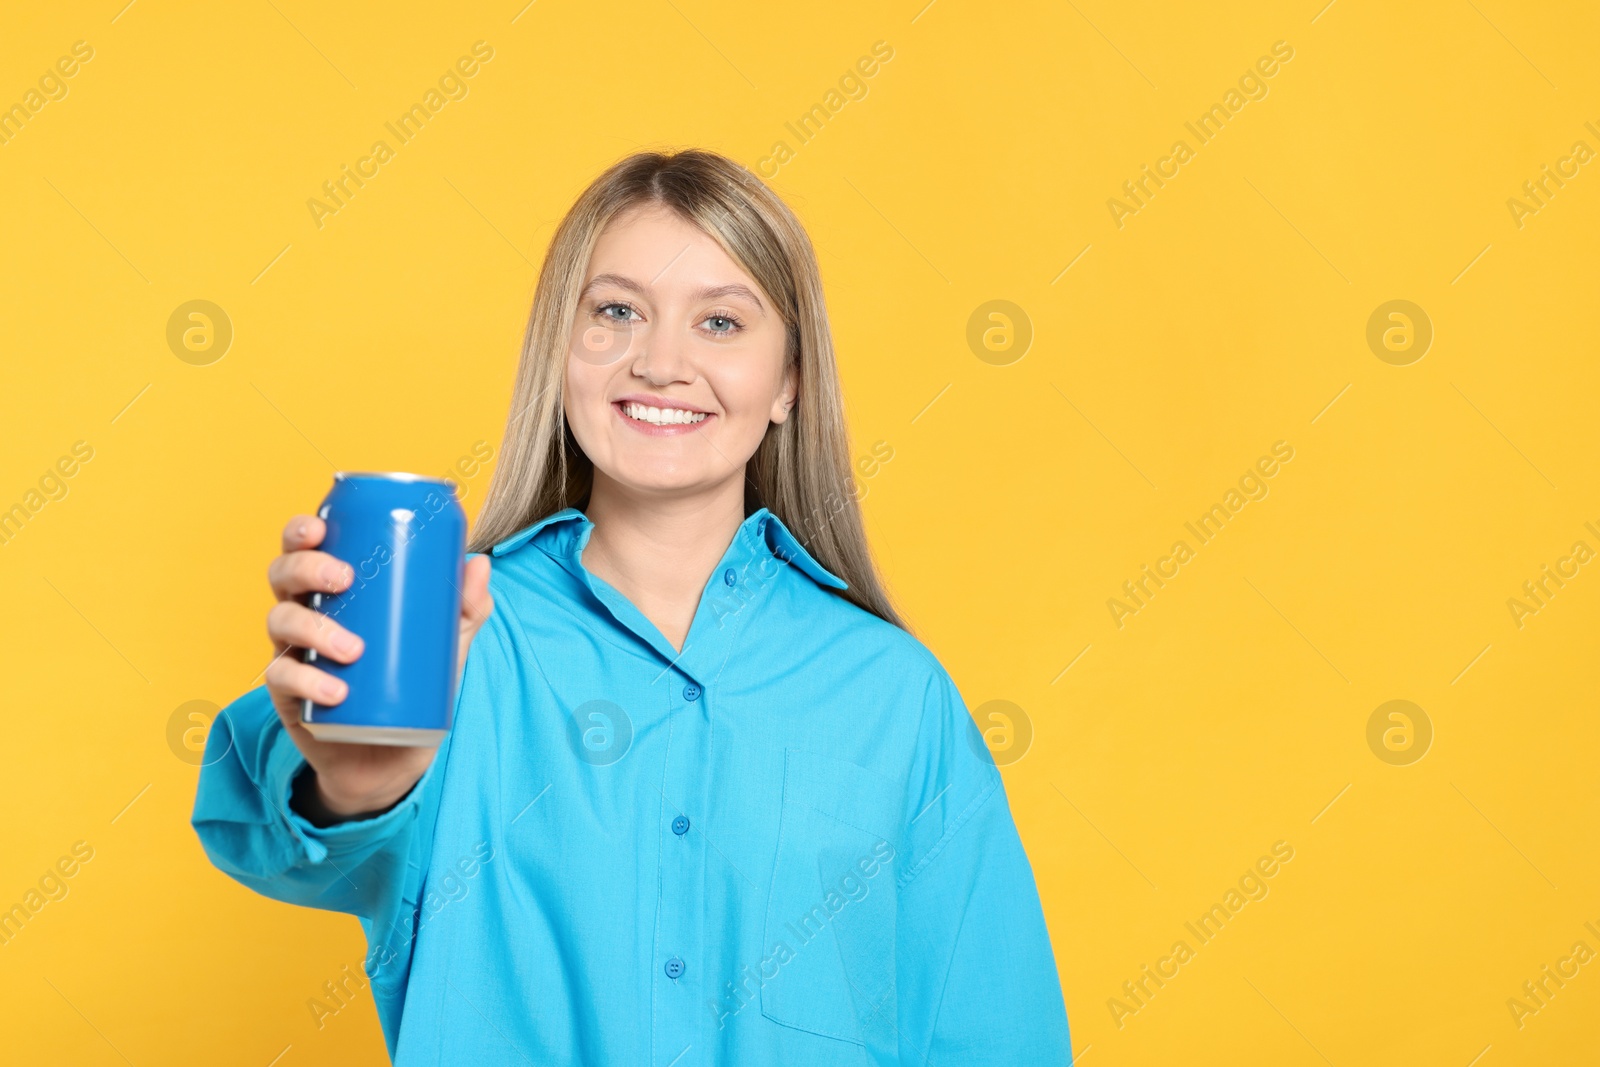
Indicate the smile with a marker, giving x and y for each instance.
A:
(659, 421)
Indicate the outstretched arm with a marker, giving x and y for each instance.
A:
(250, 830)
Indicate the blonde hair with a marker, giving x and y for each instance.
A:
(801, 470)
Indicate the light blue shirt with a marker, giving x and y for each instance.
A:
(784, 845)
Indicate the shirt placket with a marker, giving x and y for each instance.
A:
(685, 1006)
(683, 991)
(680, 972)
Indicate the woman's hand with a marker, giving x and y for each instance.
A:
(351, 779)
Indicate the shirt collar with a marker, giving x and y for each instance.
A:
(761, 531)
(754, 557)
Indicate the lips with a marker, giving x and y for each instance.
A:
(659, 418)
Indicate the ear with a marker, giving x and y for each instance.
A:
(785, 400)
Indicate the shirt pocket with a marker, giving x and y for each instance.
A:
(830, 922)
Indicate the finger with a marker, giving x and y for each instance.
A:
(303, 531)
(292, 623)
(289, 677)
(308, 571)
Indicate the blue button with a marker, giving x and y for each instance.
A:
(729, 577)
(691, 692)
(680, 825)
(674, 968)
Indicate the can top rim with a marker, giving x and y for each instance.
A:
(390, 476)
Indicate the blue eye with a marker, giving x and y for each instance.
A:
(603, 308)
(723, 325)
(730, 324)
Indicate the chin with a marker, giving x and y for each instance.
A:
(660, 479)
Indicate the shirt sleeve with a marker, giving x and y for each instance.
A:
(248, 830)
(976, 974)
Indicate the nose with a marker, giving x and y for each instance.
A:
(661, 358)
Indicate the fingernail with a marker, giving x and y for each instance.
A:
(300, 532)
(332, 689)
(346, 642)
(333, 574)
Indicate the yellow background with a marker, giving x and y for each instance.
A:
(1224, 316)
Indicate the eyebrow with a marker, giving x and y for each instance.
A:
(708, 293)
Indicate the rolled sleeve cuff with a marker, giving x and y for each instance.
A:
(315, 844)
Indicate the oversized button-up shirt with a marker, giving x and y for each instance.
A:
(783, 844)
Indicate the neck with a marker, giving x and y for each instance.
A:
(657, 550)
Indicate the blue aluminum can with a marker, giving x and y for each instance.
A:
(404, 536)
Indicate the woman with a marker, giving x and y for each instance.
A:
(704, 799)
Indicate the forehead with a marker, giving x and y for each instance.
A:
(661, 251)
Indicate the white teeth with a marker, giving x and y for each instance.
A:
(661, 416)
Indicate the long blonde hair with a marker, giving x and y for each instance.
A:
(801, 470)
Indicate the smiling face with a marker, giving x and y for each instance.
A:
(675, 363)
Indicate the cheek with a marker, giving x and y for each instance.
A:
(746, 400)
(583, 400)
(747, 387)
